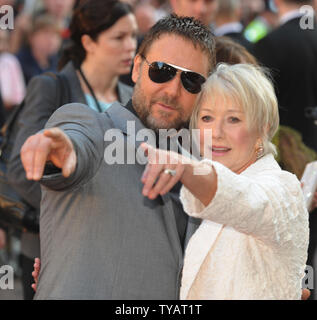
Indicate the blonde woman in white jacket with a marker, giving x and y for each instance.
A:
(253, 239)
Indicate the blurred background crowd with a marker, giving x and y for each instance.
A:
(268, 30)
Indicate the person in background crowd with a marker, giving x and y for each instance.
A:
(103, 43)
(12, 86)
(162, 8)
(263, 20)
(41, 55)
(227, 21)
(290, 51)
(60, 10)
(99, 64)
(202, 10)
(145, 17)
(250, 9)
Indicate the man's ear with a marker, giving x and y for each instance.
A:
(136, 71)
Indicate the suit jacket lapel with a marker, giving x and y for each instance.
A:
(124, 92)
(76, 90)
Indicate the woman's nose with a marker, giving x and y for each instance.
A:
(131, 44)
(217, 129)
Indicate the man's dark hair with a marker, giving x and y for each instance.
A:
(186, 27)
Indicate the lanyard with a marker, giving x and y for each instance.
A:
(90, 89)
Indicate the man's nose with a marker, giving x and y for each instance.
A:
(174, 86)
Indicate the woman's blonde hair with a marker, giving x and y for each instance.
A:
(249, 86)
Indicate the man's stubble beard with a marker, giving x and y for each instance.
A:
(143, 110)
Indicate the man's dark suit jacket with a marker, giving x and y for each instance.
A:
(291, 53)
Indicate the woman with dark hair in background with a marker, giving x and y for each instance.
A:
(103, 43)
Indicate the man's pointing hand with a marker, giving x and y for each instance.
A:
(51, 145)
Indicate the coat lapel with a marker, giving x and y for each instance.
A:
(192, 225)
(197, 249)
(77, 93)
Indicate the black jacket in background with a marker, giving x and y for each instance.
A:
(240, 38)
(291, 53)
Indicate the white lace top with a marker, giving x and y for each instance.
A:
(252, 243)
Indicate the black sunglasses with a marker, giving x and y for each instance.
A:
(160, 72)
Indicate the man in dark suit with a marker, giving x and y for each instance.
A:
(290, 51)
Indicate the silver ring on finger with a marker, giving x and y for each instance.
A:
(171, 172)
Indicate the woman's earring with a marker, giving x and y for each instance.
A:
(259, 151)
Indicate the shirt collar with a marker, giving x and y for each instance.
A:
(235, 27)
(290, 16)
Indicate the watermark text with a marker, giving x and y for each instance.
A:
(6, 17)
(6, 278)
